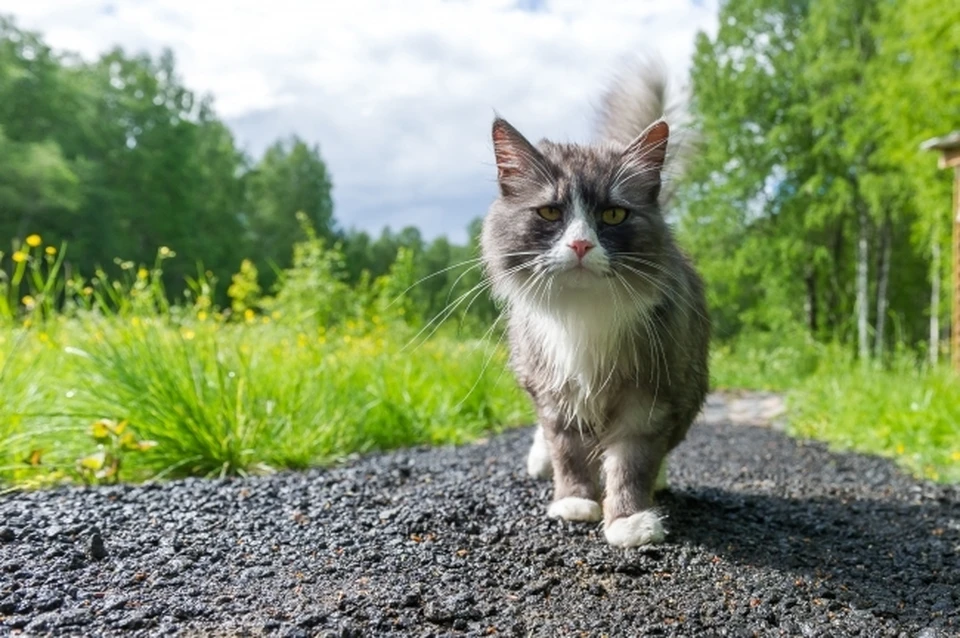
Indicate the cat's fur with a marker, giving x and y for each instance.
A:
(611, 343)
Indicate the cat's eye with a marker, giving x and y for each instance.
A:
(549, 213)
(613, 216)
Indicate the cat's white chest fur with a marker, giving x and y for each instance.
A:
(582, 345)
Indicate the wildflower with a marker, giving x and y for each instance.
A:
(126, 265)
(29, 302)
(19, 256)
(955, 456)
(50, 250)
(188, 334)
(202, 315)
(249, 314)
(166, 252)
(34, 240)
(87, 291)
(900, 448)
(143, 273)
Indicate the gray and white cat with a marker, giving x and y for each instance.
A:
(607, 320)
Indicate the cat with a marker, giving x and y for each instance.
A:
(607, 321)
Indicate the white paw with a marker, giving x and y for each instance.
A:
(642, 528)
(538, 460)
(573, 508)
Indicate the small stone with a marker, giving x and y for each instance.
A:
(7, 535)
(97, 548)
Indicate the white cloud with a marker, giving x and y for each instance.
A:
(399, 94)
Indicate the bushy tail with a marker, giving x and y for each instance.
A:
(639, 95)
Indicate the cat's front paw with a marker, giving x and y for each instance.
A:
(538, 460)
(573, 508)
(642, 528)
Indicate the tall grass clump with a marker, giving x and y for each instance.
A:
(105, 379)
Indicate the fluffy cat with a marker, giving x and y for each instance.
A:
(607, 321)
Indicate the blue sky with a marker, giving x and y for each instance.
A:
(399, 94)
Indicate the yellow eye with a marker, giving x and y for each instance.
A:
(613, 216)
(549, 213)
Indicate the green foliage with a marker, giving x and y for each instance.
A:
(809, 113)
(244, 291)
(115, 442)
(904, 412)
(325, 370)
(313, 287)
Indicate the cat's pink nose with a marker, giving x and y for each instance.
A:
(580, 246)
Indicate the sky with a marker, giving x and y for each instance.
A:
(398, 94)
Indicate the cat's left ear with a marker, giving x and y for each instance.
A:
(650, 147)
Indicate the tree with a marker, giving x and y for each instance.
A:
(290, 178)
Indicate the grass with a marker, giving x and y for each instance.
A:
(903, 410)
(115, 383)
(221, 399)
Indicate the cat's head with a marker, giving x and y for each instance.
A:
(571, 219)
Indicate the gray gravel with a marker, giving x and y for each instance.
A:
(767, 537)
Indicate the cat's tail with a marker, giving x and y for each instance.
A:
(639, 95)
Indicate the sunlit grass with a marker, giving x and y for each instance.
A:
(902, 410)
(224, 399)
(210, 394)
(200, 392)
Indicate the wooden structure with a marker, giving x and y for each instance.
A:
(949, 148)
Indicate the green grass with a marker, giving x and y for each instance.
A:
(222, 399)
(903, 410)
(117, 384)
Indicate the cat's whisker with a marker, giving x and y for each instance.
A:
(437, 321)
(456, 281)
(475, 261)
(670, 293)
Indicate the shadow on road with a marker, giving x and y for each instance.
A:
(895, 558)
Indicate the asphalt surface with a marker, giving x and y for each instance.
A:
(766, 536)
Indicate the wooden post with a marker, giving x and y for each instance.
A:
(949, 147)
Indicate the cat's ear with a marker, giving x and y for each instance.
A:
(518, 162)
(650, 147)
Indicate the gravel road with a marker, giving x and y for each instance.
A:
(766, 536)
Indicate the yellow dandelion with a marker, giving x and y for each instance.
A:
(202, 315)
(265, 320)
(19, 256)
(29, 302)
(188, 334)
(50, 250)
(135, 322)
(955, 456)
(249, 314)
(87, 291)
(34, 240)
(900, 448)
(143, 273)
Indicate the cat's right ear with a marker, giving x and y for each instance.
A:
(518, 162)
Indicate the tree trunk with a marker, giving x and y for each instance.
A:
(935, 266)
(811, 303)
(863, 286)
(833, 310)
(882, 283)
